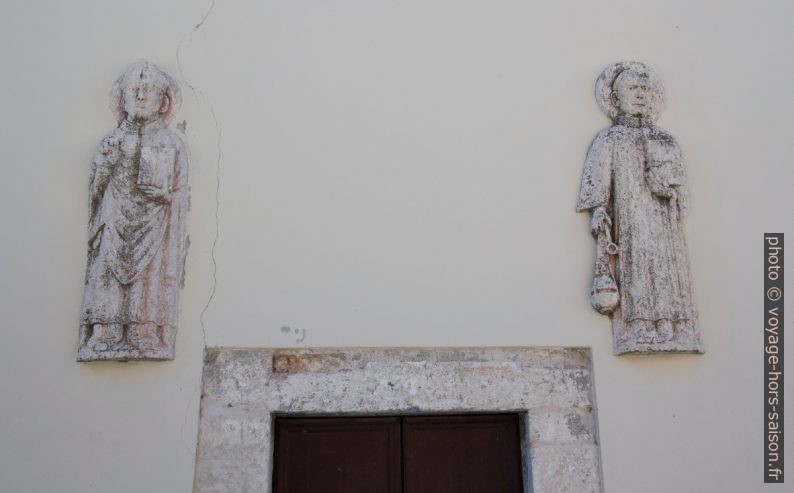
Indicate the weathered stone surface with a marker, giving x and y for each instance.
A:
(561, 425)
(635, 187)
(565, 468)
(244, 388)
(138, 200)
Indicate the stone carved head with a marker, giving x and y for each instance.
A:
(630, 88)
(144, 93)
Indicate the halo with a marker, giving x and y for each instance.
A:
(165, 82)
(606, 80)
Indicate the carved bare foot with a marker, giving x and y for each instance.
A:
(664, 330)
(643, 330)
(145, 337)
(685, 329)
(105, 336)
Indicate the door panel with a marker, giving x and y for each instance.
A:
(337, 455)
(429, 454)
(462, 454)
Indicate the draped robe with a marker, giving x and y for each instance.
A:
(652, 267)
(136, 243)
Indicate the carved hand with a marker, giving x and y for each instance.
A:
(156, 194)
(109, 148)
(600, 222)
(94, 241)
(105, 159)
(658, 185)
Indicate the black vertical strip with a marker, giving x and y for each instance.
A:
(773, 358)
(402, 454)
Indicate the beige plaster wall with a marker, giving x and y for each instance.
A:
(391, 174)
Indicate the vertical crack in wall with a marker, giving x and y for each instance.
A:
(201, 98)
(203, 19)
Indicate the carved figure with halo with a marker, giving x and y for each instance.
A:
(138, 201)
(635, 188)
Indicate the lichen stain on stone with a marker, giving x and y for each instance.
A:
(576, 426)
(582, 380)
(287, 363)
(210, 356)
(503, 370)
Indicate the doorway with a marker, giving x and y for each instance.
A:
(398, 454)
(244, 392)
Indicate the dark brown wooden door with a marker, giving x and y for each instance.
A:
(427, 454)
(462, 454)
(337, 455)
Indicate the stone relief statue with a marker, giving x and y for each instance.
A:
(635, 188)
(138, 200)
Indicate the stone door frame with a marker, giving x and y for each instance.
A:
(244, 389)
